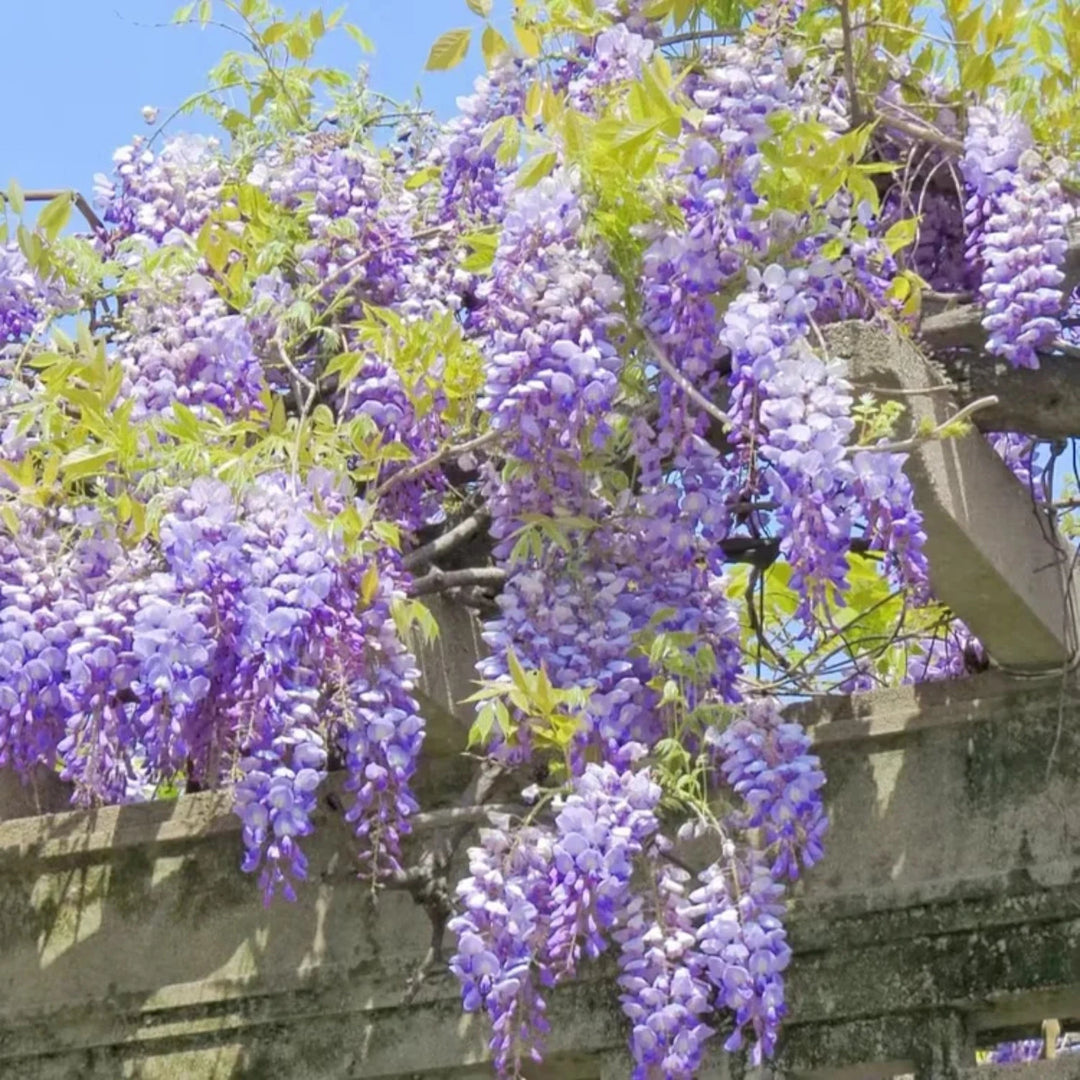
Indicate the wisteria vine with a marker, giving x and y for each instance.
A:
(561, 357)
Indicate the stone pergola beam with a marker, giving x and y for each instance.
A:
(1044, 403)
(995, 558)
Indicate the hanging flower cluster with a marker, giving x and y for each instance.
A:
(582, 320)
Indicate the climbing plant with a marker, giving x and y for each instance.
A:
(562, 359)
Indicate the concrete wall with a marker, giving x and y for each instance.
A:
(946, 912)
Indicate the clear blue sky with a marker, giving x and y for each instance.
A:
(74, 74)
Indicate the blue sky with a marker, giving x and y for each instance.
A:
(74, 74)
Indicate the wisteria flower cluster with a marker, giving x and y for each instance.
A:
(1016, 221)
(562, 359)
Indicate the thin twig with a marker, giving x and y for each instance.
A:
(359, 260)
(443, 545)
(922, 131)
(434, 955)
(698, 35)
(921, 391)
(1063, 347)
(436, 580)
(947, 297)
(849, 64)
(80, 203)
(459, 815)
(283, 356)
(427, 881)
(911, 444)
(683, 383)
(421, 467)
(756, 620)
(870, 24)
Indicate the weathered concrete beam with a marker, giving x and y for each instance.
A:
(1065, 1067)
(994, 557)
(1044, 403)
(132, 946)
(448, 674)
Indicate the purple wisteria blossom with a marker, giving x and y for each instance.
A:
(1016, 219)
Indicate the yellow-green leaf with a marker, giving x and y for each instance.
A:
(529, 40)
(536, 168)
(480, 7)
(15, 197)
(493, 45)
(449, 50)
(534, 98)
(510, 145)
(369, 582)
(424, 176)
(277, 416)
(10, 518)
(901, 234)
(517, 672)
(274, 33)
(86, 461)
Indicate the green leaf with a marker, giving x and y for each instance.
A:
(536, 168)
(369, 582)
(388, 533)
(517, 672)
(833, 248)
(484, 246)
(205, 12)
(480, 7)
(359, 37)
(529, 40)
(449, 50)
(15, 197)
(424, 176)
(511, 144)
(10, 518)
(86, 461)
(274, 33)
(480, 731)
(55, 215)
(84, 337)
(299, 45)
(277, 416)
(492, 45)
(183, 14)
(902, 234)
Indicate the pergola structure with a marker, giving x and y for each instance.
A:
(945, 917)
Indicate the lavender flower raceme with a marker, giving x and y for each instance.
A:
(1016, 220)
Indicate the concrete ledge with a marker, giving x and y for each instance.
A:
(992, 553)
(948, 905)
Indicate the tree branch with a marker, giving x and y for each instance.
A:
(421, 467)
(698, 35)
(910, 444)
(443, 545)
(849, 64)
(684, 384)
(427, 880)
(79, 202)
(437, 580)
(756, 551)
(467, 815)
(923, 132)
